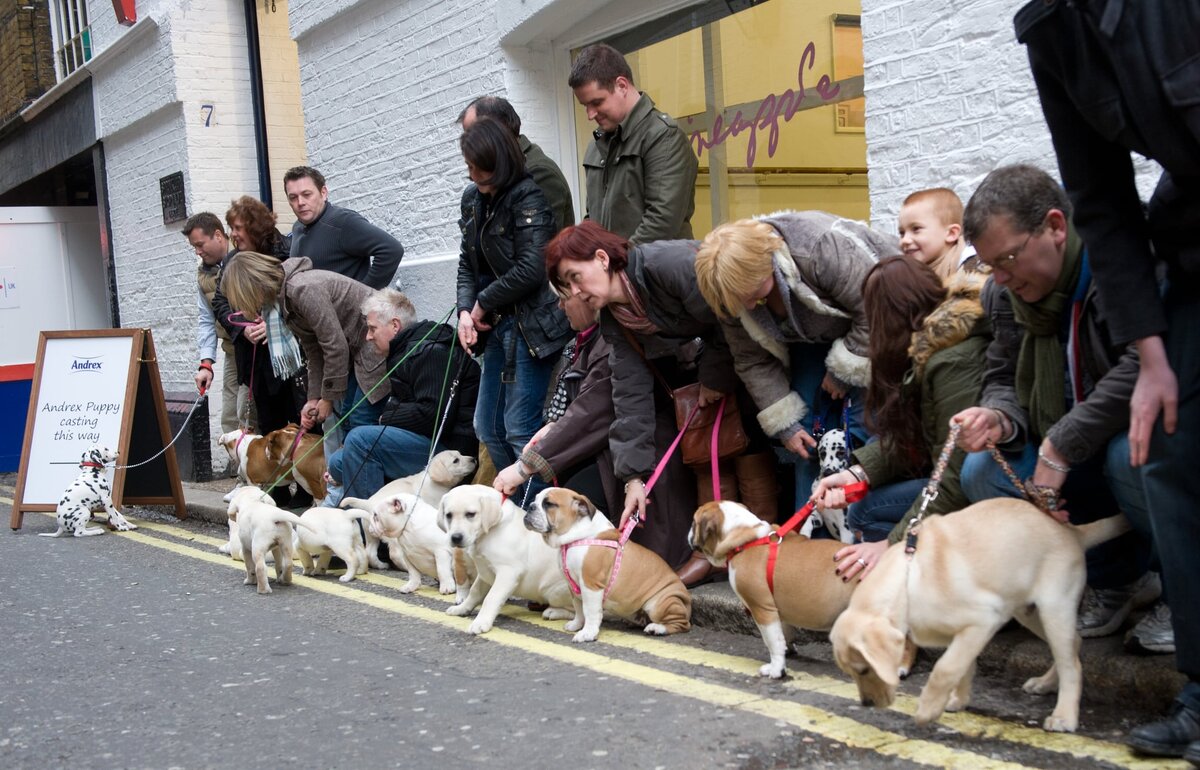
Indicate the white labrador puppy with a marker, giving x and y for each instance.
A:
(416, 544)
(329, 532)
(445, 470)
(263, 527)
(510, 560)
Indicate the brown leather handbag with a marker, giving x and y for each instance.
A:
(696, 446)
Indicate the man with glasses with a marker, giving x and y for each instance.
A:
(1056, 390)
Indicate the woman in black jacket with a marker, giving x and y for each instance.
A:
(507, 309)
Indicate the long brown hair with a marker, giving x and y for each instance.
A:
(258, 220)
(898, 294)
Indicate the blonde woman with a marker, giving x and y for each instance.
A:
(788, 289)
(320, 311)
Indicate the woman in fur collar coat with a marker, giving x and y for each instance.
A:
(927, 363)
(788, 288)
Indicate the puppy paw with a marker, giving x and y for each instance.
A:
(557, 613)
(346, 578)
(225, 549)
(126, 526)
(410, 587)
(957, 704)
(266, 590)
(1039, 685)
(769, 669)
(573, 625)
(248, 581)
(1059, 724)
(655, 629)
(586, 635)
(926, 715)
(457, 610)
(447, 588)
(479, 626)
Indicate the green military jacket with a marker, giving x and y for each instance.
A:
(641, 178)
(550, 180)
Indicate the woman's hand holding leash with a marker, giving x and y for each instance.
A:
(467, 336)
(509, 480)
(979, 426)
(257, 331)
(830, 493)
(315, 412)
(635, 500)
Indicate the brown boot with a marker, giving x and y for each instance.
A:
(704, 485)
(758, 484)
(698, 570)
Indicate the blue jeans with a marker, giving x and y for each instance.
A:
(807, 362)
(1173, 486)
(366, 414)
(1099, 487)
(373, 454)
(876, 514)
(507, 414)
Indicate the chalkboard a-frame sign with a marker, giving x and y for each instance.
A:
(96, 387)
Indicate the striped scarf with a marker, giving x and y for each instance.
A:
(632, 316)
(285, 353)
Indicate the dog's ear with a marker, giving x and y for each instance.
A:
(490, 511)
(583, 507)
(706, 529)
(278, 444)
(443, 525)
(882, 646)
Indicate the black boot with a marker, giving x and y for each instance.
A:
(1169, 737)
(1193, 753)
(301, 499)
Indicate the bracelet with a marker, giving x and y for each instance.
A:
(1052, 464)
(204, 365)
(627, 483)
(860, 473)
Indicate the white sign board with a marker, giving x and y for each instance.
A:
(79, 403)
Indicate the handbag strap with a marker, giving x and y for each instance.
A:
(637, 346)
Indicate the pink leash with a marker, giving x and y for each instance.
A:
(627, 530)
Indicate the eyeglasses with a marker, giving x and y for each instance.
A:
(1006, 261)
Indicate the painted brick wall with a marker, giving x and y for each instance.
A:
(949, 98)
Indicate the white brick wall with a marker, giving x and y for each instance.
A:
(949, 98)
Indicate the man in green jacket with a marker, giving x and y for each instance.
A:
(640, 169)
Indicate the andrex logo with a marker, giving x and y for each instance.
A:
(87, 364)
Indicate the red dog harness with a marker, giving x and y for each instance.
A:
(854, 493)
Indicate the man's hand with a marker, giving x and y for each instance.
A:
(708, 395)
(315, 412)
(479, 317)
(829, 492)
(1043, 474)
(204, 378)
(467, 336)
(800, 443)
(979, 426)
(257, 332)
(635, 500)
(831, 386)
(1156, 390)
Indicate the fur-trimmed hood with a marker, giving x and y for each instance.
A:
(951, 322)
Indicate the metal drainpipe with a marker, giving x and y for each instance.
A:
(256, 101)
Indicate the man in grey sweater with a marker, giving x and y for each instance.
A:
(337, 239)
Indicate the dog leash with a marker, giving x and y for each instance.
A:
(171, 443)
(854, 492)
(627, 531)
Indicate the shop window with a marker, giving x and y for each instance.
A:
(770, 95)
(72, 35)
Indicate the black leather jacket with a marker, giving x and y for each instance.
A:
(514, 232)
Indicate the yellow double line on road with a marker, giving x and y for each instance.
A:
(808, 718)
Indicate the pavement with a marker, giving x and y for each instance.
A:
(1111, 675)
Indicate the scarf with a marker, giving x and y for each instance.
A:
(1042, 362)
(558, 402)
(285, 353)
(632, 316)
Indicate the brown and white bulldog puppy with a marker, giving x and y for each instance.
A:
(309, 458)
(249, 451)
(644, 588)
(807, 592)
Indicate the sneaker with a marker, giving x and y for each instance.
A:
(1153, 633)
(1103, 610)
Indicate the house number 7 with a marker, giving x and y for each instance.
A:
(207, 109)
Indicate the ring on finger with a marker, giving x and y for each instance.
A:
(861, 561)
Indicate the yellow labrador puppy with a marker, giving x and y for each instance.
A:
(807, 592)
(330, 532)
(972, 571)
(262, 527)
(645, 590)
(509, 559)
(416, 544)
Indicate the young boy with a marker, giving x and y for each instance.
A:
(931, 229)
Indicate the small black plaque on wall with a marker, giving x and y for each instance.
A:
(174, 203)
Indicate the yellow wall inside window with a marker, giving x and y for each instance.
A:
(759, 52)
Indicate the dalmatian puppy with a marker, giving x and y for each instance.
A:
(833, 455)
(88, 492)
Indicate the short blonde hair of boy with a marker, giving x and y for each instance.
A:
(946, 204)
(388, 304)
(251, 281)
(733, 261)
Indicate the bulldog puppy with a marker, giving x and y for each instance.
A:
(971, 572)
(249, 452)
(445, 470)
(509, 559)
(262, 527)
(330, 532)
(416, 544)
(644, 588)
(305, 461)
(807, 592)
